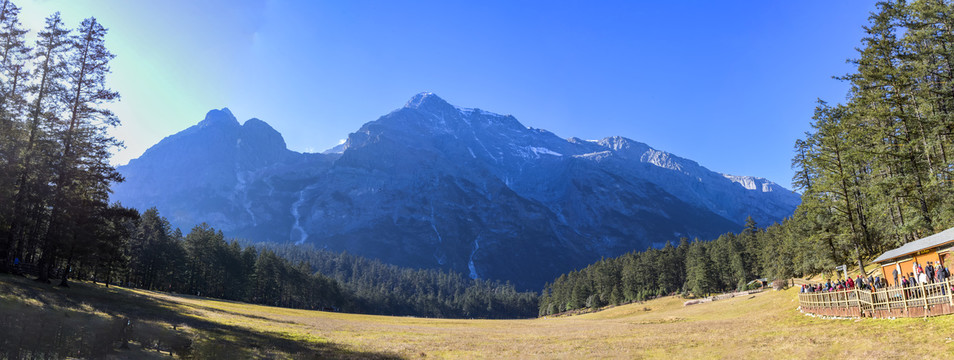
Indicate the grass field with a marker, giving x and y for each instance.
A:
(765, 325)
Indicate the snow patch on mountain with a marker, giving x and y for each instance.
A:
(544, 151)
(595, 156)
(470, 264)
(482, 146)
(434, 226)
(297, 228)
(662, 159)
(468, 112)
(752, 183)
(417, 100)
(241, 190)
(534, 152)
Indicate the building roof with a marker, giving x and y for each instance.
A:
(940, 238)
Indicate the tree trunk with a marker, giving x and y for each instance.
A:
(66, 270)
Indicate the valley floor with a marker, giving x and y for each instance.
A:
(766, 325)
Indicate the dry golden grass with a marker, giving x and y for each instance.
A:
(766, 325)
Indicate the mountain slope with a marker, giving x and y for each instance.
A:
(434, 185)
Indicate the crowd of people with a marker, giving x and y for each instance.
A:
(933, 272)
(870, 283)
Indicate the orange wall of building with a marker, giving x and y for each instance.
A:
(907, 266)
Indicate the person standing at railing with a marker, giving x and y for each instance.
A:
(942, 276)
(929, 271)
(938, 272)
(907, 282)
(896, 272)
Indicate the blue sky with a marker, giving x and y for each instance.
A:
(731, 85)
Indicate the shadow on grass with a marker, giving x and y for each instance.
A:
(87, 321)
(227, 312)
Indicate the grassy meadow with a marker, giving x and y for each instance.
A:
(84, 321)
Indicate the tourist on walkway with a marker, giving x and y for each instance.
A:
(929, 271)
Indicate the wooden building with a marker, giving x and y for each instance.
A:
(933, 248)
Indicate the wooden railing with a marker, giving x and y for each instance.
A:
(895, 301)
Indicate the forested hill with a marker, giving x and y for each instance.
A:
(203, 263)
(875, 172)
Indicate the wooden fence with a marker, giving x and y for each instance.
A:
(895, 301)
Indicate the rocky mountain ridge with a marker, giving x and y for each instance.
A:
(438, 186)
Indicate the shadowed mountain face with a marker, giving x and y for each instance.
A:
(437, 186)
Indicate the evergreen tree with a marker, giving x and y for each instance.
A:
(699, 270)
(13, 79)
(31, 191)
(82, 173)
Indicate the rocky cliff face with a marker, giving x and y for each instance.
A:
(434, 185)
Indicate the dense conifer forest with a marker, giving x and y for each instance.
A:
(697, 267)
(204, 263)
(875, 172)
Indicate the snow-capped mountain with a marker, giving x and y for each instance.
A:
(434, 185)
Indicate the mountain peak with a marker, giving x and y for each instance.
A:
(256, 123)
(619, 143)
(425, 100)
(221, 117)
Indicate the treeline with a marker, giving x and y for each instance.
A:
(384, 289)
(203, 263)
(698, 268)
(54, 147)
(150, 255)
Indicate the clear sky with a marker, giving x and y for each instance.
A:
(731, 85)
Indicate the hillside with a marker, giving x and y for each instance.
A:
(765, 325)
